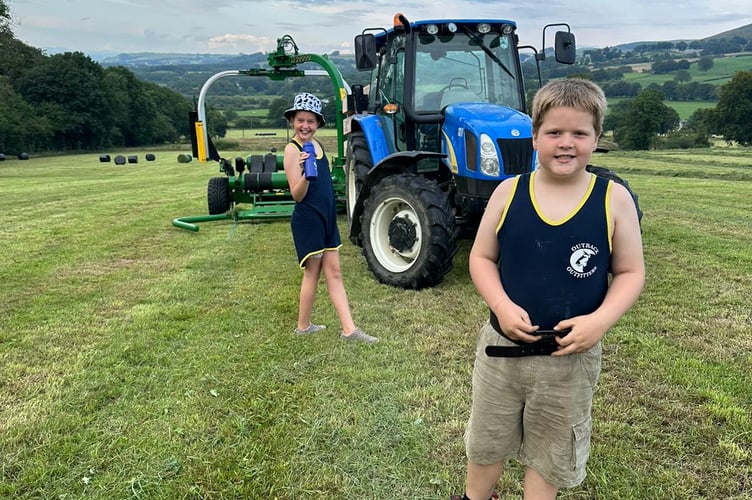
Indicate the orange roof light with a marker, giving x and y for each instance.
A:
(390, 109)
(397, 21)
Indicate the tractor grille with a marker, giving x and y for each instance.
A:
(516, 155)
(471, 145)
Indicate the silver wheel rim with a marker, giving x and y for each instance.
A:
(392, 259)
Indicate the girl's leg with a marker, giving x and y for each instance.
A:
(308, 287)
(336, 288)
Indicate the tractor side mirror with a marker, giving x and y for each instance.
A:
(365, 51)
(565, 51)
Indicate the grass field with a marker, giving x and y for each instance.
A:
(724, 68)
(139, 360)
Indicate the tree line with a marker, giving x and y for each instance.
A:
(68, 102)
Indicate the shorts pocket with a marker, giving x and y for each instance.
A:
(590, 363)
(581, 433)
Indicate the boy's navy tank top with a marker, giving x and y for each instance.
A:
(555, 269)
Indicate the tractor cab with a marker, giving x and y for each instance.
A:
(423, 67)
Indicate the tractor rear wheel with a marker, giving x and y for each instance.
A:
(357, 164)
(611, 175)
(218, 195)
(408, 232)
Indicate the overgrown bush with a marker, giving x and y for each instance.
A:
(681, 140)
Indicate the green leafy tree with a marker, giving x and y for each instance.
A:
(702, 121)
(172, 109)
(683, 75)
(74, 82)
(615, 115)
(645, 116)
(277, 108)
(4, 18)
(734, 109)
(705, 63)
(17, 132)
(217, 123)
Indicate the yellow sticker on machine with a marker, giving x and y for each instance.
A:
(452, 155)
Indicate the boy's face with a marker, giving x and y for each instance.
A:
(304, 124)
(565, 141)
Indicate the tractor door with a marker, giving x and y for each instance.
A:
(390, 96)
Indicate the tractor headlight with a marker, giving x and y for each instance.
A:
(489, 160)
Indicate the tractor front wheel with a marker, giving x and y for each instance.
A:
(408, 232)
(357, 164)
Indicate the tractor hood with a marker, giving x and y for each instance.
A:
(499, 122)
(469, 128)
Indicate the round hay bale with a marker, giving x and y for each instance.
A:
(104, 158)
(2, 156)
(132, 158)
(150, 157)
(120, 160)
(23, 156)
(184, 158)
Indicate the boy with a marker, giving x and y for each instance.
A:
(541, 261)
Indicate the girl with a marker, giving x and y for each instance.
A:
(314, 221)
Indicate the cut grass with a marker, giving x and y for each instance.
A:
(138, 360)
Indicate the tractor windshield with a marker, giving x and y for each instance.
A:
(465, 67)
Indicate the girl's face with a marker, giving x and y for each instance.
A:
(304, 124)
(565, 141)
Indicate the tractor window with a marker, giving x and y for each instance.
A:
(465, 68)
(391, 74)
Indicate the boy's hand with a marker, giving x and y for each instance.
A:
(515, 322)
(585, 333)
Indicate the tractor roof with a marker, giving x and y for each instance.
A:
(471, 24)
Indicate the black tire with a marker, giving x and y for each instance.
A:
(611, 175)
(218, 195)
(357, 164)
(408, 232)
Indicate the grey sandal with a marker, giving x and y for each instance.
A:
(311, 329)
(358, 334)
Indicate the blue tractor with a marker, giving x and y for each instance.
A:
(443, 121)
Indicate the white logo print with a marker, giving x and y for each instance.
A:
(579, 261)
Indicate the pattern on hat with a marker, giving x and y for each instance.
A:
(306, 102)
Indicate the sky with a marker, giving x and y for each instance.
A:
(323, 26)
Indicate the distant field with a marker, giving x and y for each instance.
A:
(684, 108)
(723, 70)
(254, 113)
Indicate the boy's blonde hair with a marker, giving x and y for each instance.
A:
(577, 93)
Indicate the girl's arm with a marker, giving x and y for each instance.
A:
(293, 162)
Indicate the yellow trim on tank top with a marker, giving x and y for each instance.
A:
(609, 221)
(321, 146)
(571, 214)
(509, 202)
